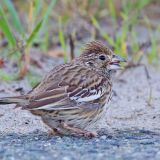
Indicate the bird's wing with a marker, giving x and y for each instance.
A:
(63, 95)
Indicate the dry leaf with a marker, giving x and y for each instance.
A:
(1, 63)
(56, 53)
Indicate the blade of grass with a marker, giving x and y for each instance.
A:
(34, 33)
(153, 56)
(37, 8)
(14, 16)
(102, 33)
(45, 21)
(6, 29)
(47, 13)
(111, 8)
(62, 39)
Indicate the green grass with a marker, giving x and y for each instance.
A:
(62, 39)
(27, 33)
(5, 27)
(35, 27)
(129, 14)
(39, 15)
(14, 16)
(7, 77)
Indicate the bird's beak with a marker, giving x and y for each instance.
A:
(115, 62)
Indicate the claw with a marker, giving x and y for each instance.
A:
(54, 132)
(90, 134)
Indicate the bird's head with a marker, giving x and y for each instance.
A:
(100, 57)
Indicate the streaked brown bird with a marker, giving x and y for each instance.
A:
(72, 96)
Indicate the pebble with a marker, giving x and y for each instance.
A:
(103, 137)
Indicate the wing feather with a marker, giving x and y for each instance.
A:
(63, 94)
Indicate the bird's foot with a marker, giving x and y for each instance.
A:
(54, 132)
(80, 132)
(88, 134)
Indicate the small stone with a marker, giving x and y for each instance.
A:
(103, 137)
(66, 158)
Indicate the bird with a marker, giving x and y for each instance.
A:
(73, 96)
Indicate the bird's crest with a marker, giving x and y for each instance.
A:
(96, 47)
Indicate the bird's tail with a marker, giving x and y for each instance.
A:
(20, 100)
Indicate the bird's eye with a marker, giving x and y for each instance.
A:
(102, 57)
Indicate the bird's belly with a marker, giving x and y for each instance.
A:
(75, 117)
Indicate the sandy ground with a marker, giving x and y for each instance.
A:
(137, 104)
(128, 109)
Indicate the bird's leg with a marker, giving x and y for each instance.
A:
(78, 131)
(55, 132)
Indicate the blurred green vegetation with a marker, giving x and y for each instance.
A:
(44, 24)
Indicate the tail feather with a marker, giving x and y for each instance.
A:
(20, 100)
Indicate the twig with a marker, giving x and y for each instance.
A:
(71, 44)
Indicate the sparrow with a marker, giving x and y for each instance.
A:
(72, 96)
